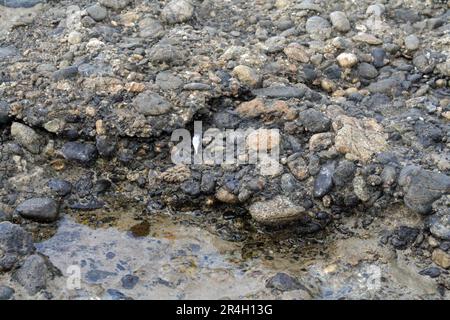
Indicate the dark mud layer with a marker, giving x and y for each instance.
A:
(356, 205)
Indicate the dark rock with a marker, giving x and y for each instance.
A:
(422, 187)
(129, 281)
(19, 3)
(61, 187)
(106, 146)
(15, 243)
(324, 181)
(432, 272)
(113, 294)
(191, 187)
(4, 113)
(166, 53)
(280, 92)
(344, 172)
(378, 55)
(439, 222)
(33, 274)
(367, 71)
(315, 121)
(403, 237)
(6, 293)
(333, 72)
(80, 152)
(208, 183)
(96, 276)
(284, 282)
(151, 104)
(39, 209)
(66, 73)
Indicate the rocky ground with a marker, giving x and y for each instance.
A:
(90, 93)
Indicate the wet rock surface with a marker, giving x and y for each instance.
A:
(358, 94)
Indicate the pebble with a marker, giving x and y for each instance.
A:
(115, 4)
(284, 282)
(177, 11)
(84, 153)
(129, 281)
(247, 76)
(314, 121)
(412, 43)
(27, 137)
(151, 104)
(280, 92)
(441, 258)
(39, 209)
(347, 60)
(367, 71)
(339, 21)
(32, 275)
(324, 181)
(6, 293)
(316, 24)
(15, 243)
(276, 211)
(97, 12)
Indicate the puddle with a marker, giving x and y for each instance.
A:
(178, 260)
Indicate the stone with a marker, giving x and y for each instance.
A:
(26, 137)
(284, 282)
(344, 173)
(367, 38)
(84, 153)
(97, 12)
(432, 272)
(4, 113)
(296, 52)
(6, 293)
(74, 37)
(65, 73)
(15, 243)
(440, 221)
(324, 181)
(299, 168)
(20, 3)
(275, 211)
(441, 258)
(106, 146)
(167, 81)
(151, 104)
(151, 28)
(165, 53)
(422, 187)
(226, 196)
(359, 138)
(387, 86)
(39, 209)
(177, 11)
(60, 187)
(412, 43)
(378, 56)
(129, 281)
(321, 141)
(115, 4)
(263, 140)
(339, 21)
(280, 92)
(347, 60)
(247, 76)
(32, 275)
(316, 24)
(367, 71)
(314, 121)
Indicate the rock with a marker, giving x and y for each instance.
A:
(74, 37)
(324, 181)
(404, 237)
(360, 188)
(207, 183)
(298, 168)
(347, 60)
(321, 141)
(339, 21)
(6, 293)
(106, 146)
(440, 221)
(344, 173)
(26, 137)
(191, 187)
(314, 121)
(113, 294)
(97, 12)
(367, 71)
(8, 52)
(422, 187)
(387, 86)
(80, 152)
(4, 113)
(281, 92)
(412, 43)
(226, 196)
(151, 104)
(316, 24)
(378, 55)
(167, 81)
(20, 3)
(151, 28)
(39, 209)
(65, 73)
(367, 38)
(284, 282)
(359, 138)
(177, 11)
(247, 76)
(129, 281)
(165, 53)
(33, 274)
(115, 4)
(15, 243)
(441, 258)
(60, 187)
(277, 210)
(432, 272)
(296, 52)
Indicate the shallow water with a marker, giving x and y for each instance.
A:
(178, 260)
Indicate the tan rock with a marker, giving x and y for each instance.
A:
(296, 52)
(247, 76)
(359, 138)
(367, 38)
(320, 141)
(226, 196)
(277, 210)
(441, 258)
